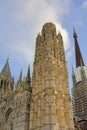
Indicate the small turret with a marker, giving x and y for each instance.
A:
(20, 82)
(20, 77)
(28, 78)
(6, 80)
(6, 69)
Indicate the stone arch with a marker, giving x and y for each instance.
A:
(8, 119)
(8, 112)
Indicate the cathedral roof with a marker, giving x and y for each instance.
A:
(78, 55)
(6, 69)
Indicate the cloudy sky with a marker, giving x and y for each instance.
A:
(22, 20)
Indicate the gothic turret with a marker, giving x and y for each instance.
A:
(20, 82)
(6, 69)
(78, 54)
(28, 78)
(20, 77)
(6, 80)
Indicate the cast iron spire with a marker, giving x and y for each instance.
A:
(78, 55)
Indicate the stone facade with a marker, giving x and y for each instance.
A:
(14, 104)
(48, 105)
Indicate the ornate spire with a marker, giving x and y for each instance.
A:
(6, 69)
(28, 78)
(78, 54)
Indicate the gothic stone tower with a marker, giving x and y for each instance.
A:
(51, 103)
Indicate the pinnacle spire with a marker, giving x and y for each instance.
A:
(6, 69)
(28, 78)
(20, 77)
(78, 55)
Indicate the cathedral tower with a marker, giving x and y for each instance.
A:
(50, 103)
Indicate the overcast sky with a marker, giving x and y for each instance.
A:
(22, 20)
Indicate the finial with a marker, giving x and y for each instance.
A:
(74, 33)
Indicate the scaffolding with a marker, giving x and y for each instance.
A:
(79, 103)
(79, 100)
